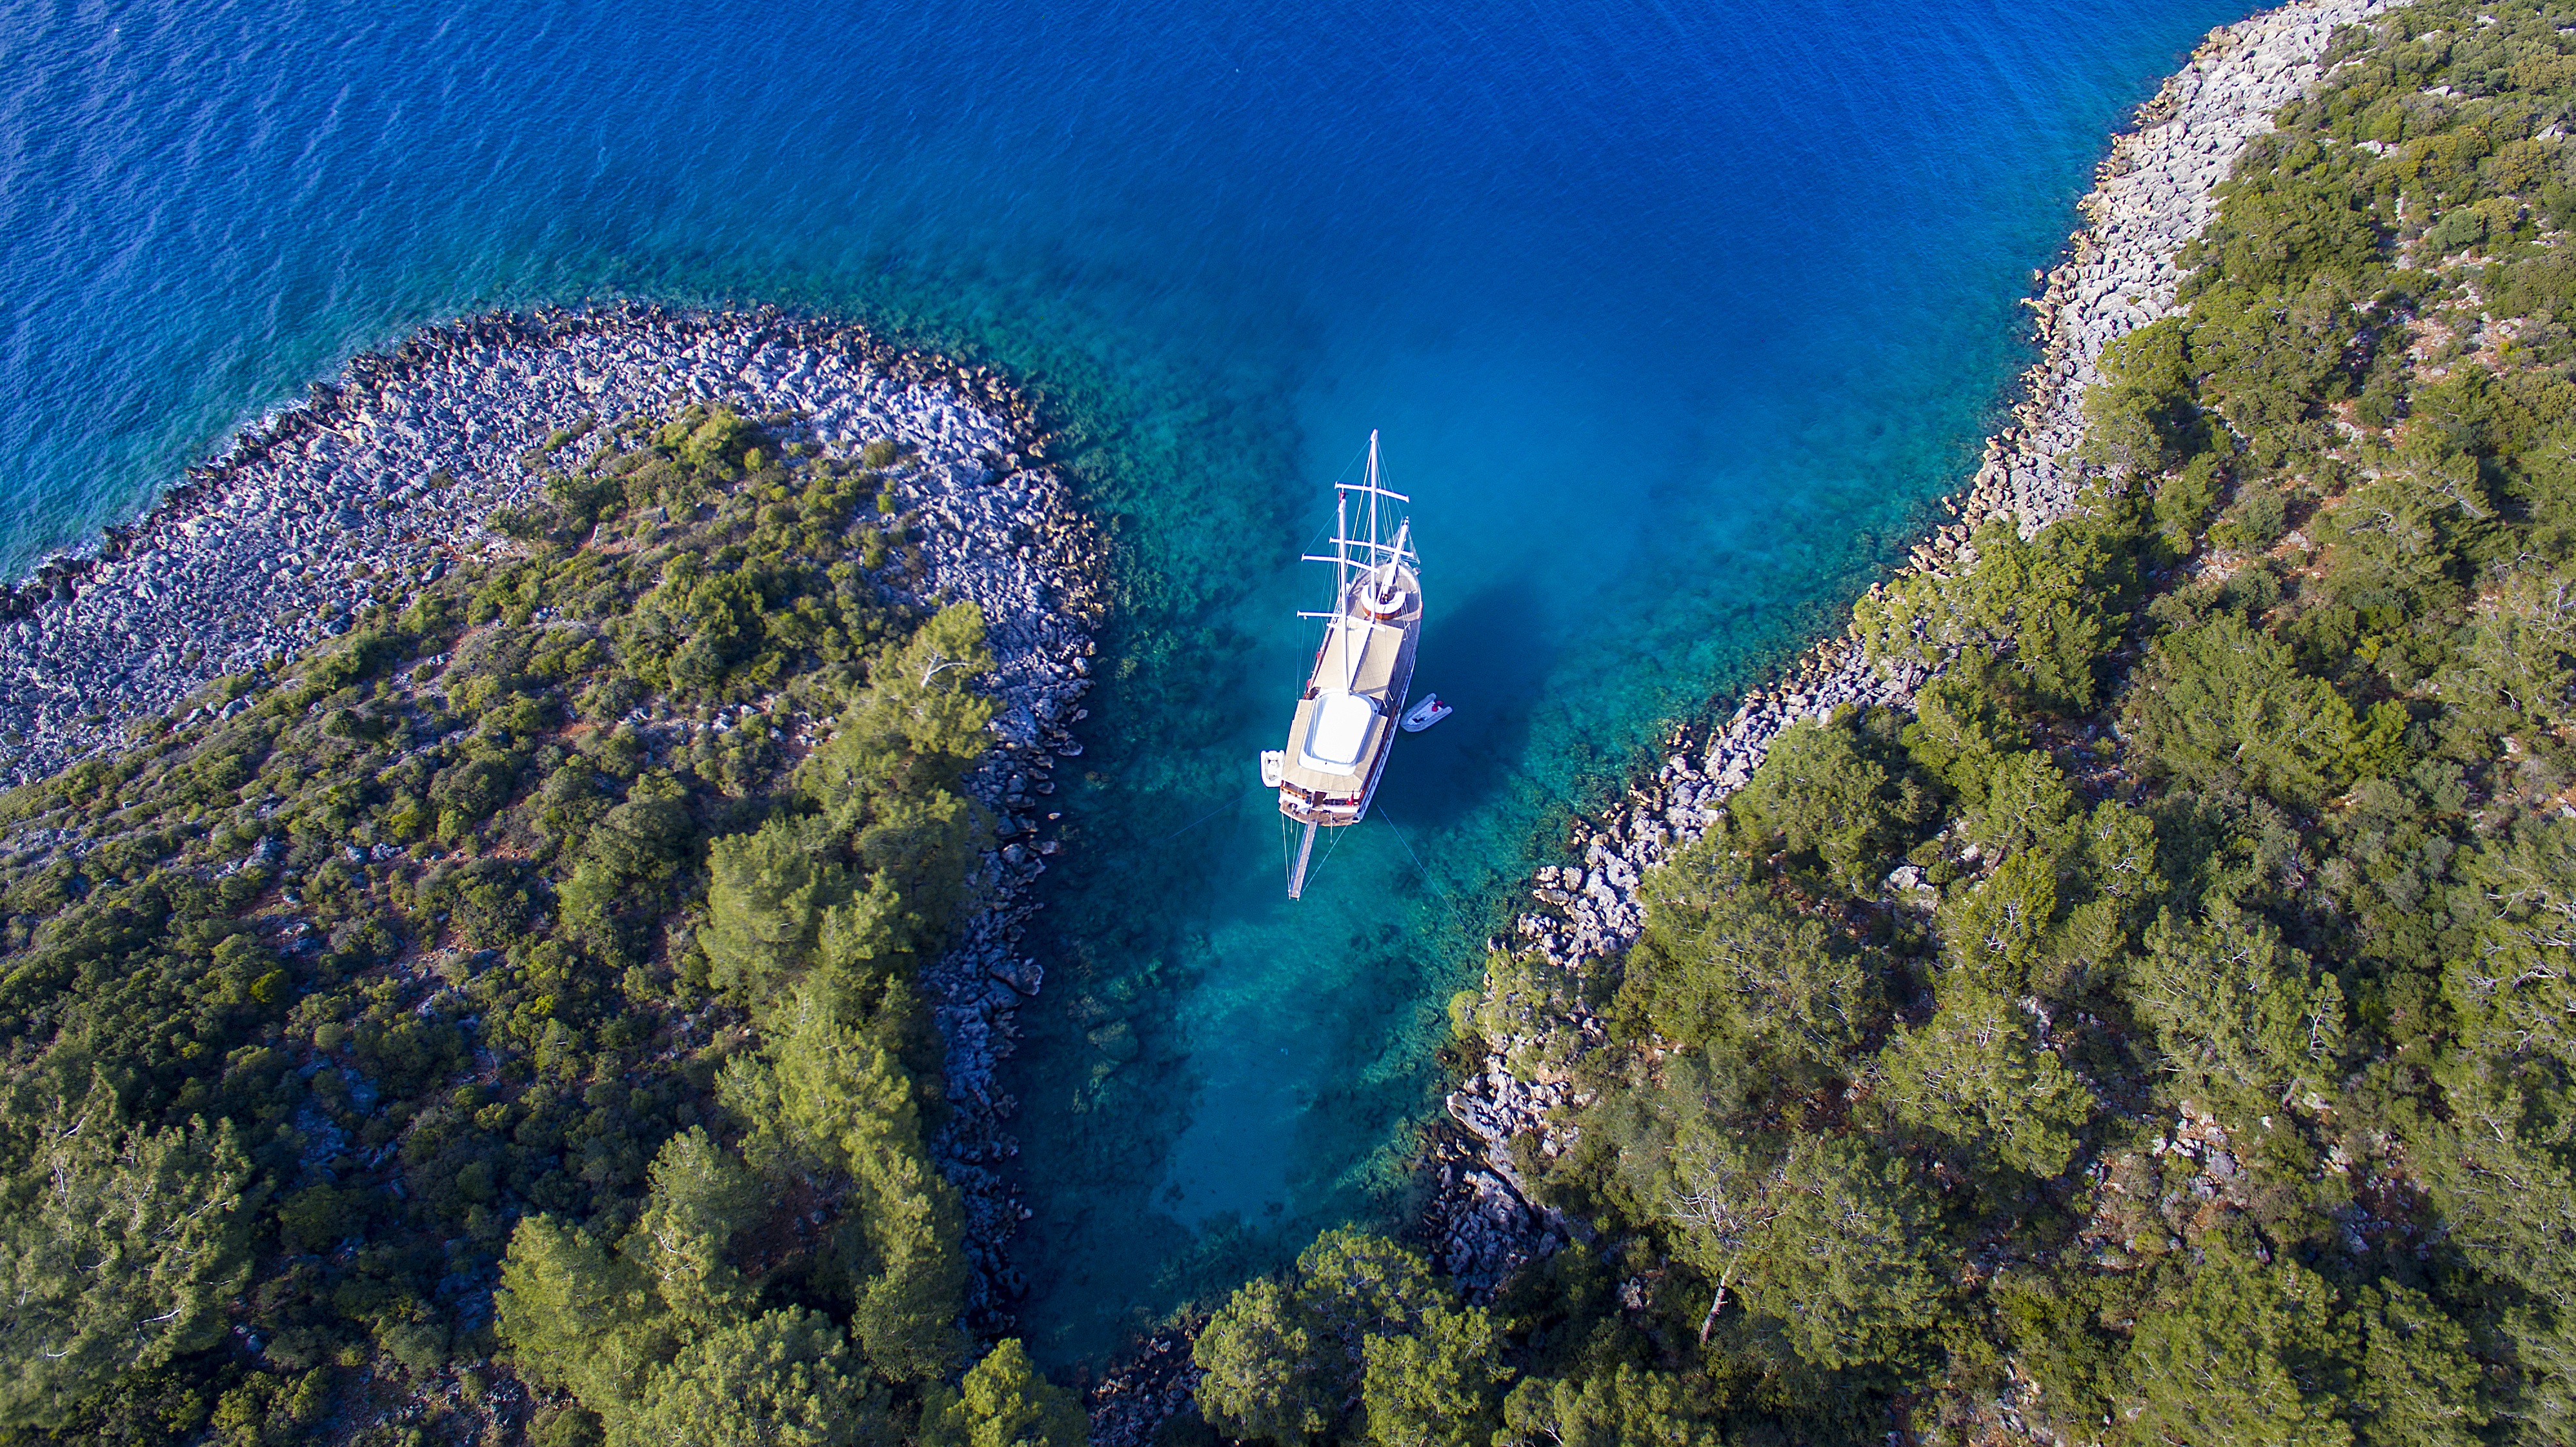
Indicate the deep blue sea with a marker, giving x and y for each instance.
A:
(1675, 317)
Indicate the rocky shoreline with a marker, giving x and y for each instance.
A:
(383, 479)
(2153, 195)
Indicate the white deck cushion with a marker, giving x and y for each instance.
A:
(1340, 731)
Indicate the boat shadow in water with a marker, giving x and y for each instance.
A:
(1482, 658)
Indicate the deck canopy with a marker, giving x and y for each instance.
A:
(1339, 735)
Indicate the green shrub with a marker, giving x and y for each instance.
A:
(2253, 523)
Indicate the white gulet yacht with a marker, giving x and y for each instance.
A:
(1346, 719)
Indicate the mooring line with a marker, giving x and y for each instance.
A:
(1456, 916)
(1212, 813)
(1330, 847)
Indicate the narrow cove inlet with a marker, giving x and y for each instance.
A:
(1632, 502)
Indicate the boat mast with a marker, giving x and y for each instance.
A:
(1372, 500)
(1297, 865)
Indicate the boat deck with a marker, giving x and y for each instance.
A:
(1363, 660)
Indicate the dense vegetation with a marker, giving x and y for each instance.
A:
(2162, 1034)
(504, 1017)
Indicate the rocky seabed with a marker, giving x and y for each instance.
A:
(383, 480)
(2152, 195)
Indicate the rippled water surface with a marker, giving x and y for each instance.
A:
(1674, 317)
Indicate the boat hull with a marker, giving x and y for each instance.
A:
(1382, 674)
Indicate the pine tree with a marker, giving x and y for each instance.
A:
(1283, 1358)
(2237, 1010)
(782, 1379)
(579, 1318)
(2240, 1361)
(117, 1253)
(846, 1103)
(700, 1198)
(1976, 1073)
(767, 893)
(1626, 1406)
(1004, 1402)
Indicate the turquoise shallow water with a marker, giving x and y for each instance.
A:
(1674, 319)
